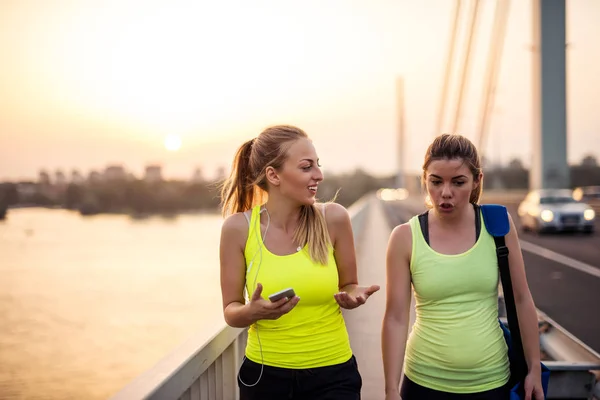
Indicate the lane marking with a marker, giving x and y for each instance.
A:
(554, 256)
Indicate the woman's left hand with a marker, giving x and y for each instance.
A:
(355, 296)
(533, 386)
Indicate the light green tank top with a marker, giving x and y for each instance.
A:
(314, 333)
(456, 344)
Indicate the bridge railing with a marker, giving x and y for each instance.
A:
(574, 366)
(205, 367)
(200, 369)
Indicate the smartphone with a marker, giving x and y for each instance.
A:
(289, 293)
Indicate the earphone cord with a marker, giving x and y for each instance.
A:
(262, 360)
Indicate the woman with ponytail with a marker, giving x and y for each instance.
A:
(275, 237)
(456, 348)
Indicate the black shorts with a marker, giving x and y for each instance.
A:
(334, 382)
(414, 391)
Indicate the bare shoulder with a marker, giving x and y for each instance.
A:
(334, 213)
(510, 219)
(399, 248)
(401, 236)
(235, 228)
(338, 221)
(513, 229)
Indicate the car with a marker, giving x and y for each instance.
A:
(555, 210)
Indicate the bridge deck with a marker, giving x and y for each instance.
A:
(364, 323)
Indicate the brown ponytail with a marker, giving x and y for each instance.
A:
(239, 193)
(247, 186)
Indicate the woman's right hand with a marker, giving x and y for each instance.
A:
(265, 309)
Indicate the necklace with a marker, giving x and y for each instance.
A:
(269, 222)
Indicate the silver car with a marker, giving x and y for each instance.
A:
(555, 210)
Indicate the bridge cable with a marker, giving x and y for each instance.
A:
(492, 71)
(448, 69)
(466, 64)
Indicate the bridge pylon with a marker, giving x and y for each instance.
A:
(549, 168)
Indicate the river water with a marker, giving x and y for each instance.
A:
(89, 303)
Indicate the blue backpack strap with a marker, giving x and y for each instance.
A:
(495, 217)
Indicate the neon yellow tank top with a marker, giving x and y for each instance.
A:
(314, 333)
(456, 344)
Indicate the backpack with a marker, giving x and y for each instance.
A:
(495, 218)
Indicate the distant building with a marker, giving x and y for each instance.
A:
(43, 177)
(94, 176)
(26, 191)
(153, 173)
(198, 177)
(114, 173)
(59, 178)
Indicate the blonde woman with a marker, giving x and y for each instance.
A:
(276, 237)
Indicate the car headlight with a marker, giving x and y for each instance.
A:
(547, 215)
(589, 214)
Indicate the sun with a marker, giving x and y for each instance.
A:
(172, 142)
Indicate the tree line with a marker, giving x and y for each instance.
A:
(140, 197)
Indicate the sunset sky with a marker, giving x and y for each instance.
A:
(85, 83)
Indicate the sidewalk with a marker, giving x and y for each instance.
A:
(364, 323)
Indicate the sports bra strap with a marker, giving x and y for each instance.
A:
(424, 223)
